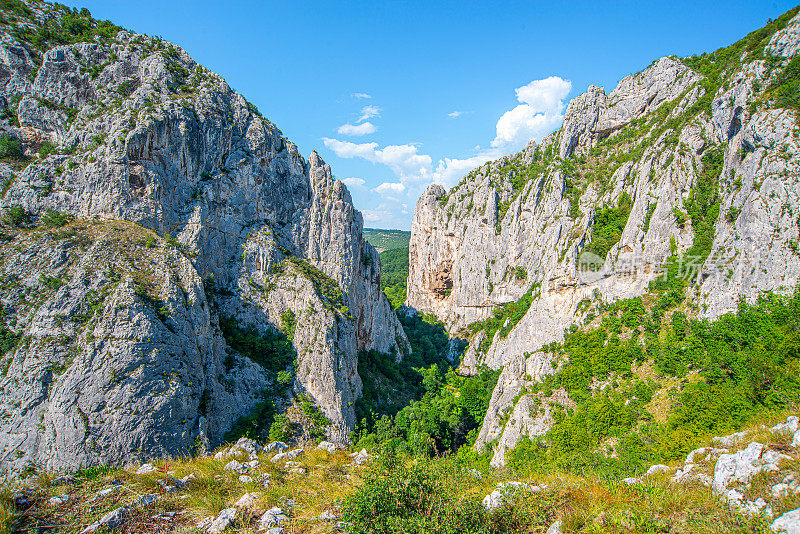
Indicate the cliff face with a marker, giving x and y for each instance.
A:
(188, 207)
(695, 159)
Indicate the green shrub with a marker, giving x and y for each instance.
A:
(785, 90)
(253, 425)
(608, 226)
(284, 378)
(288, 324)
(282, 429)
(17, 215)
(746, 363)
(271, 350)
(55, 219)
(702, 206)
(46, 149)
(504, 318)
(10, 147)
(51, 282)
(415, 498)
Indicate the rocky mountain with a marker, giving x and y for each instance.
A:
(687, 170)
(148, 204)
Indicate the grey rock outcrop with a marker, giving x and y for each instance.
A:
(740, 467)
(190, 207)
(517, 227)
(788, 523)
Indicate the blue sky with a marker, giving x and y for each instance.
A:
(396, 95)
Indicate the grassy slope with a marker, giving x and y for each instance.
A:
(413, 495)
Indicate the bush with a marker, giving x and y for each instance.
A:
(271, 350)
(746, 363)
(282, 428)
(17, 215)
(608, 226)
(10, 147)
(288, 324)
(55, 219)
(411, 497)
(253, 425)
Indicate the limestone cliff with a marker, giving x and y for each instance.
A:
(189, 207)
(694, 159)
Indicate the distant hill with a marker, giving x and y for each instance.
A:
(387, 239)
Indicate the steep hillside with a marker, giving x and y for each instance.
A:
(170, 262)
(386, 239)
(682, 181)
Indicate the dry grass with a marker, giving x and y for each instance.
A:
(585, 504)
(6, 508)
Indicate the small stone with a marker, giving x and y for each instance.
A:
(111, 520)
(729, 441)
(327, 515)
(630, 481)
(247, 445)
(327, 446)
(146, 469)
(555, 528)
(244, 479)
(106, 492)
(223, 520)
(655, 469)
(247, 500)
(146, 500)
(276, 446)
(788, 523)
(788, 427)
(233, 465)
(273, 517)
(58, 501)
(288, 455)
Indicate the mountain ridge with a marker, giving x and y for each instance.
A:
(668, 175)
(104, 125)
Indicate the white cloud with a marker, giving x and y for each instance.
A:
(353, 182)
(539, 113)
(368, 112)
(404, 160)
(390, 187)
(381, 214)
(361, 95)
(374, 215)
(357, 129)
